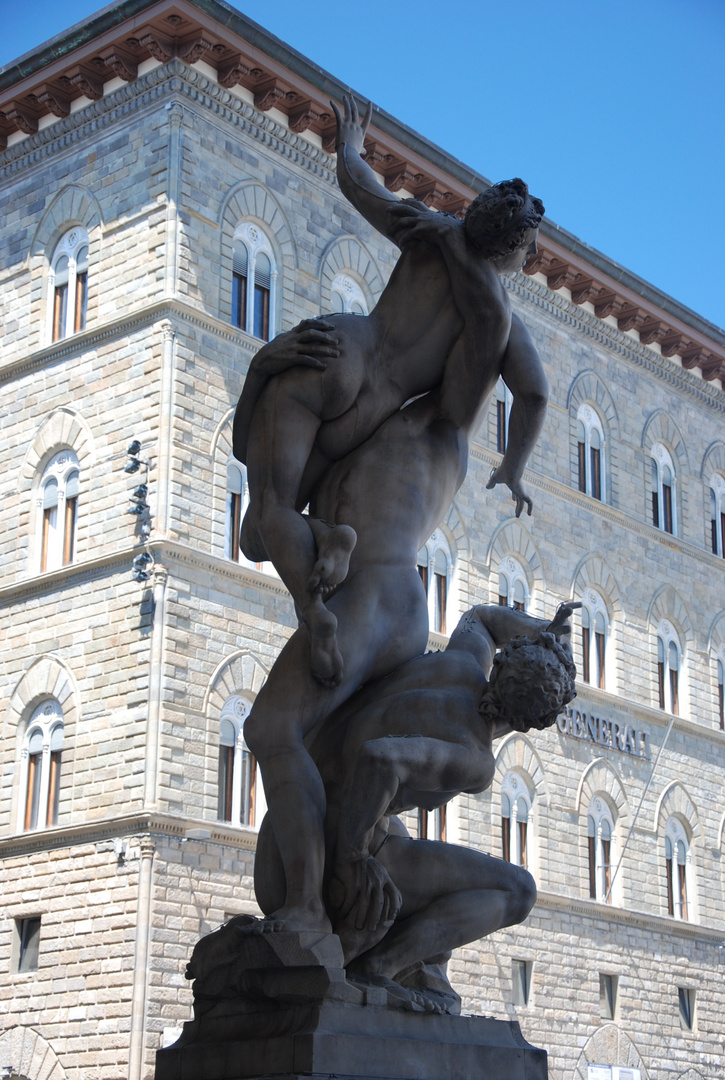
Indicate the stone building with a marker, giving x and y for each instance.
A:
(168, 200)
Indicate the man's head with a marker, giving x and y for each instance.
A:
(532, 680)
(502, 223)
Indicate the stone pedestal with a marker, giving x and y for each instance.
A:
(278, 1006)
(351, 1042)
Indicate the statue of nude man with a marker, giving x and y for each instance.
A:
(351, 373)
(393, 490)
(417, 738)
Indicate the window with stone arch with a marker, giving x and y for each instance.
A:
(350, 280)
(515, 820)
(436, 568)
(678, 861)
(68, 284)
(600, 848)
(669, 667)
(40, 776)
(237, 773)
(595, 633)
(513, 586)
(591, 453)
(717, 515)
(57, 510)
(720, 683)
(254, 281)
(346, 296)
(663, 490)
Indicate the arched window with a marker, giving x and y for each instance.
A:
(677, 860)
(669, 663)
(236, 505)
(663, 491)
(600, 837)
(513, 588)
(347, 296)
(717, 515)
(58, 510)
(504, 401)
(595, 627)
(68, 284)
(254, 279)
(41, 765)
(590, 440)
(237, 766)
(515, 813)
(435, 566)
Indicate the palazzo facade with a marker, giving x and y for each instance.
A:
(169, 201)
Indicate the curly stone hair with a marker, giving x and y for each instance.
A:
(498, 219)
(531, 681)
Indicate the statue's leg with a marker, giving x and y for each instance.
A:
(451, 895)
(377, 634)
(282, 434)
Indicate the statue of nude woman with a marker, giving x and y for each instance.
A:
(352, 373)
(393, 490)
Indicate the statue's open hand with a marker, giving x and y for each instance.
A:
(364, 894)
(518, 494)
(310, 344)
(350, 128)
(410, 222)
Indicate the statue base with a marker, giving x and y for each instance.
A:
(351, 1042)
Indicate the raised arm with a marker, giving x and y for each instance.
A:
(356, 179)
(524, 375)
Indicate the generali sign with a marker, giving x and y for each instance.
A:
(613, 734)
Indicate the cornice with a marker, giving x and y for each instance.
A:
(99, 334)
(183, 32)
(170, 551)
(139, 823)
(149, 89)
(636, 920)
(77, 573)
(613, 338)
(165, 553)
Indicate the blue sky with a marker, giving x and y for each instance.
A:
(613, 113)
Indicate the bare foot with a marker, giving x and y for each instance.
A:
(288, 918)
(325, 657)
(334, 547)
(400, 997)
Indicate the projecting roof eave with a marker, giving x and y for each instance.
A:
(417, 164)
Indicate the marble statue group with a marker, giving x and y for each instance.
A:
(355, 431)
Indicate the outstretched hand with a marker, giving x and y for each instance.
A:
(518, 494)
(310, 344)
(364, 894)
(350, 128)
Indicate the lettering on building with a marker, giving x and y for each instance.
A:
(610, 733)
